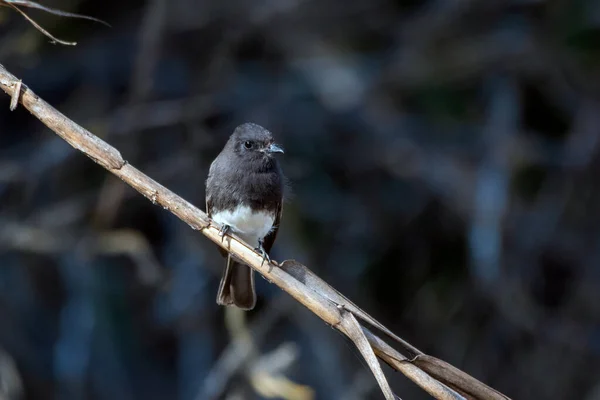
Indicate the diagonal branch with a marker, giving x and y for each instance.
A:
(436, 377)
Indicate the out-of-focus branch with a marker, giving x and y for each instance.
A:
(15, 4)
(11, 384)
(436, 377)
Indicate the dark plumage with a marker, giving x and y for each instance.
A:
(244, 191)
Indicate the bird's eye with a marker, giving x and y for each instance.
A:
(248, 144)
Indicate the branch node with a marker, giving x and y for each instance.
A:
(14, 99)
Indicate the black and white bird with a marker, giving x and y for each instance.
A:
(244, 194)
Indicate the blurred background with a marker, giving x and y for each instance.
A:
(443, 159)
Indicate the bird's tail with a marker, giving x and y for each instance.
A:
(237, 286)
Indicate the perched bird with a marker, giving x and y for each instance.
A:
(244, 194)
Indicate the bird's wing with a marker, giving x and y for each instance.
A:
(209, 205)
(270, 238)
(207, 184)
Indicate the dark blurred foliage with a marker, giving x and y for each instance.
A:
(444, 168)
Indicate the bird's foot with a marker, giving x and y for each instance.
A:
(224, 230)
(265, 257)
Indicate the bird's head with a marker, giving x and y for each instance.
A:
(252, 141)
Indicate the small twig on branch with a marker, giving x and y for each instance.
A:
(436, 377)
(14, 100)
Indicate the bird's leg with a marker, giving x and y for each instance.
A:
(224, 230)
(263, 253)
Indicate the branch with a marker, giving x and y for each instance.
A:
(15, 4)
(438, 378)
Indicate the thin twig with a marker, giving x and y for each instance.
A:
(15, 4)
(38, 26)
(336, 310)
(50, 10)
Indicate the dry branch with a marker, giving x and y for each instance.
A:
(15, 4)
(436, 377)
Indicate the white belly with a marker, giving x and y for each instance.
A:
(250, 226)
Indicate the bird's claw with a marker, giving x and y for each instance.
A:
(265, 257)
(224, 230)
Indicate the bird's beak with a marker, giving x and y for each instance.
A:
(273, 148)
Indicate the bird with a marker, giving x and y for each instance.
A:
(244, 195)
